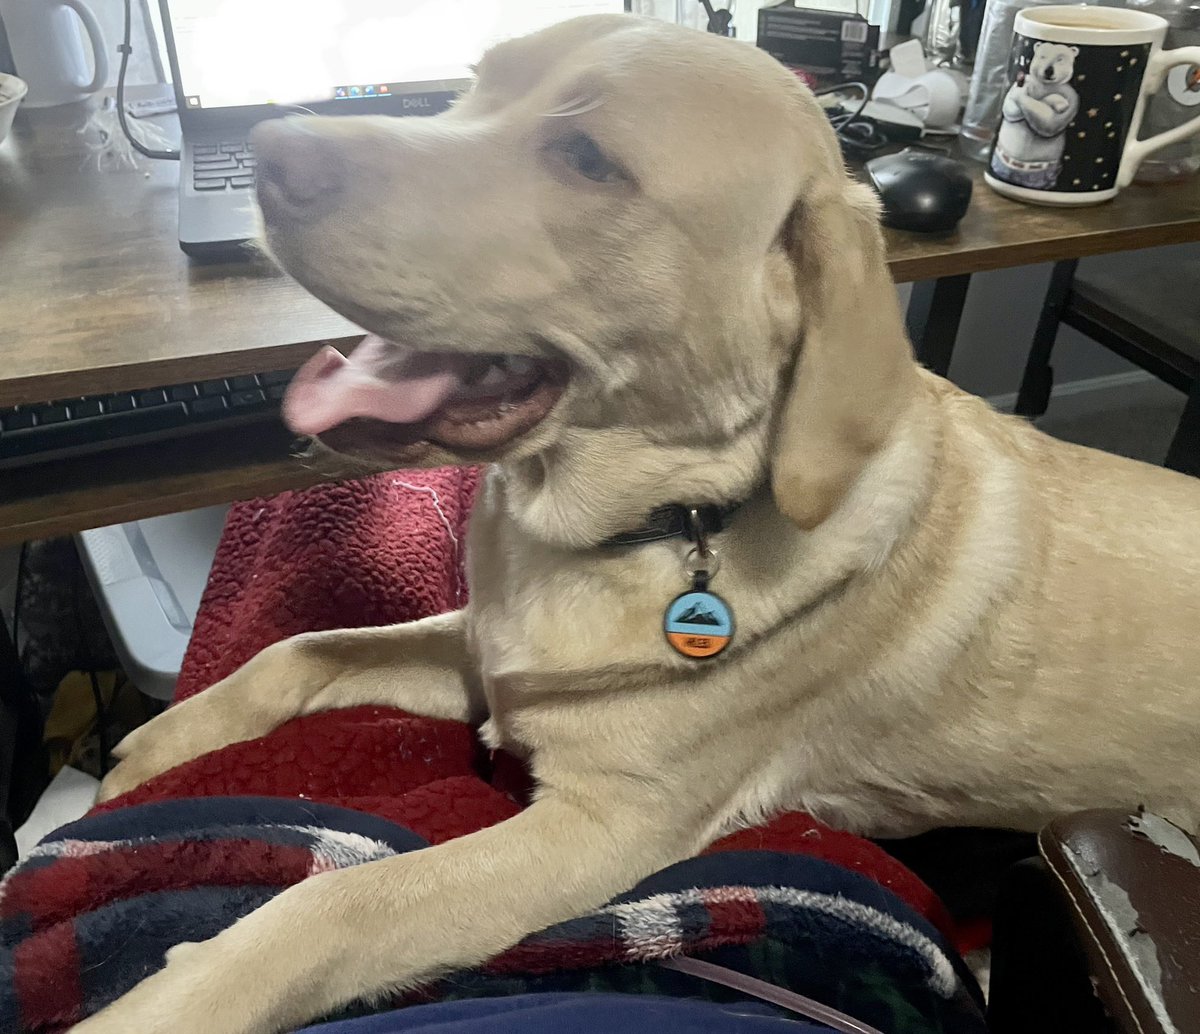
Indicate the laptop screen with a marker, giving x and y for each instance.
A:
(234, 53)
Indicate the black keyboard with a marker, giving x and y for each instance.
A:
(223, 166)
(75, 427)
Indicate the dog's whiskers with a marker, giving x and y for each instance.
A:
(575, 106)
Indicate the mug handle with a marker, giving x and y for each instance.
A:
(99, 45)
(1136, 151)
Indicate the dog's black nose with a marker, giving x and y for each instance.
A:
(300, 171)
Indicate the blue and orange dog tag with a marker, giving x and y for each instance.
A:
(698, 624)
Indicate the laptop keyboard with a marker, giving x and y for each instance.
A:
(69, 427)
(228, 166)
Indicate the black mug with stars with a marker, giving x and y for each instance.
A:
(1079, 79)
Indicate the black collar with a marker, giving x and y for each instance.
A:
(673, 521)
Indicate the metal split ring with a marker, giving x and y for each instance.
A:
(701, 559)
(702, 563)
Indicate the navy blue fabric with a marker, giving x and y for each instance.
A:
(576, 1014)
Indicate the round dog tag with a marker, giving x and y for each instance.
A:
(698, 624)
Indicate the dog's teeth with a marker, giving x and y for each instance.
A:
(495, 375)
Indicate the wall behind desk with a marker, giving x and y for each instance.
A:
(999, 319)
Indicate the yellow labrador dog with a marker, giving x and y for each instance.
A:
(630, 270)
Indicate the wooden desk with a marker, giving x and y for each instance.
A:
(95, 296)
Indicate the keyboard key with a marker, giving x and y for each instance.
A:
(205, 174)
(86, 408)
(212, 185)
(224, 163)
(18, 421)
(183, 393)
(241, 182)
(232, 148)
(217, 387)
(276, 377)
(246, 399)
(120, 403)
(210, 406)
(246, 383)
(276, 392)
(247, 162)
(51, 415)
(205, 149)
(146, 399)
(73, 434)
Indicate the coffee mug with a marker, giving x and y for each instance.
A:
(1079, 78)
(48, 51)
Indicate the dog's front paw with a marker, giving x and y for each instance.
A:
(185, 997)
(224, 714)
(271, 971)
(131, 773)
(173, 737)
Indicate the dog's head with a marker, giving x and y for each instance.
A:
(628, 240)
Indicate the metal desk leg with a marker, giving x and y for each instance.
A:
(1184, 454)
(1038, 379)
(13, 688)
(24, 766)
(934, 313)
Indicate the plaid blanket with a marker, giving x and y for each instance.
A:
(95, 908)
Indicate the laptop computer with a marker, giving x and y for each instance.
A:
(237, 62)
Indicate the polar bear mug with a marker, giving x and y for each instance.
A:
(1079, 79)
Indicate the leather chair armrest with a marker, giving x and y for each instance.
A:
(1108, 916)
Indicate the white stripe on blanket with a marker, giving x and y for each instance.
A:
(330, 848)
(652, 924)
(334, 849)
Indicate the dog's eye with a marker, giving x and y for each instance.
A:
(583, 154)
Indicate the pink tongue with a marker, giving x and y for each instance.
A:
(331, 389)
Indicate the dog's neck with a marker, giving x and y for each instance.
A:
(592, 486)
(691, 521)
(604, 485)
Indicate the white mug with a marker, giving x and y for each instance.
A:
(48, 52)
(1079, 79)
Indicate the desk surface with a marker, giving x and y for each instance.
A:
(95, 296)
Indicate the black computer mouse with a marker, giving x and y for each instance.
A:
(921, 191)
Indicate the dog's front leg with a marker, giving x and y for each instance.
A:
(397, 923)
(423, 667)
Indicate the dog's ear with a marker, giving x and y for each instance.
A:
(854, 372)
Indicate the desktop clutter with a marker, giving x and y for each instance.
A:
(1064, 104)
(876, 102)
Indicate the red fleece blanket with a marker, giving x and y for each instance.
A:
(380, 551)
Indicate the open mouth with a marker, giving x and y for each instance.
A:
(384, 397)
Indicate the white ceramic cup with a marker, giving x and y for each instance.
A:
(1079, 79)
(48, 51)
